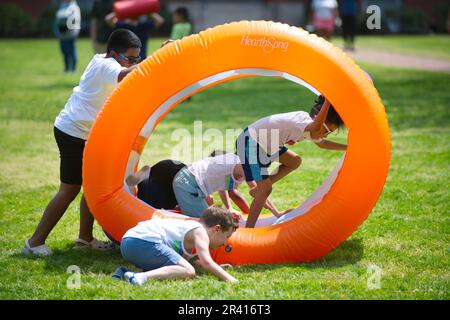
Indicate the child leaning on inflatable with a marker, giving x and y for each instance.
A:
(264, 141)
(71, 129)
(162, 247)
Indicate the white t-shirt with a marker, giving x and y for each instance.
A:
(323, 9)
(275, 131)
(168, 231)
(96, 84)
(216, 173)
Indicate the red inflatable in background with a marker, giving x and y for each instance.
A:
(134, 8)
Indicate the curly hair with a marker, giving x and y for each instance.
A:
(215, 214)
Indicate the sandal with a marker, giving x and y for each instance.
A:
(94, 244)
(41, 250)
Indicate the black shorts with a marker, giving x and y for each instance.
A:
(71, 155)
(156, 190)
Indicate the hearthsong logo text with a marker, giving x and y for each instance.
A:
(267, 44)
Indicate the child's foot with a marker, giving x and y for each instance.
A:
(94, 244)
(41, 250)
(119, 273)
(135, 178)
(134, 278)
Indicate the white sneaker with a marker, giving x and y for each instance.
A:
(41, 250)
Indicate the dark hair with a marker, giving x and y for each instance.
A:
(217, 153)
(332, 116)
(215, 214)
(183, 12)
(121, 40)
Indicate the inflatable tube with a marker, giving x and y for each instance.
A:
(134, 8)
(230, 51)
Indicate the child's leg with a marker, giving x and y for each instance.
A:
(161, 261)
(86, 221)
(190, 198)
(260, 193)
(289, 162)
(137, 177)
(182, 269)
(54, 211)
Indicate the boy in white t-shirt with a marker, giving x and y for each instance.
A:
(71, 129)
(162, 247)
(263, 142)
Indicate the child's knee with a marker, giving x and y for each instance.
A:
(190, 271)
(265, 187)
(296, 161)
(69, 193)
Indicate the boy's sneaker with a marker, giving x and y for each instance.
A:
(41, 250)
(119, 273)
(131, 278)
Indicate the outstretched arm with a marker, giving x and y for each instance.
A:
(226, 200)
(204, 257)
(315, 126)
(330, 145)
(125, 72)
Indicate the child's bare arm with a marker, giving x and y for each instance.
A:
(209, 200)
(204, 257)
(315, 126)
(226, 200)
(330, 145)
(125, 72)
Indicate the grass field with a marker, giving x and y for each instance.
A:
(406, 237)
(435, 46)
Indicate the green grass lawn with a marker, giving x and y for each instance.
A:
(406, 236)
(433, 46)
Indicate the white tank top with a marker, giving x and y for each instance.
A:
(168, 231)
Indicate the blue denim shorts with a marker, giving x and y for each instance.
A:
(148, 255)
(190, 197)
(254, 160)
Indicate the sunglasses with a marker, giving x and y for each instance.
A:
(328, 129)
(132, 60)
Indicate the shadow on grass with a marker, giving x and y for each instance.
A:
(348, 253)
(105, 262)
(89, 261)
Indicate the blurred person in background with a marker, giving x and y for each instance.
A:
(99, 28)
(141, 26)
(66, 28)
(324, 14)
(182, 26)
(349, 10)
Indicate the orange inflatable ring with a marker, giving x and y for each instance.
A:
(230, 51)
